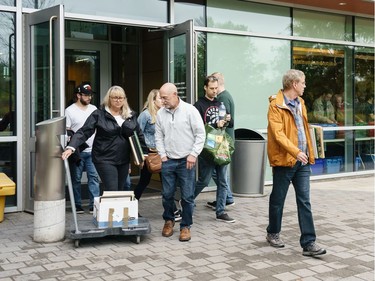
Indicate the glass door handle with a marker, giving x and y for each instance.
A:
(51, 64)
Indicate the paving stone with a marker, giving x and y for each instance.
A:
(217, 251)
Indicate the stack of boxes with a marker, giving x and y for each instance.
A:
(115, 209)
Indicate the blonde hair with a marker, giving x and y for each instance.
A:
(117, 91)
(150, 104)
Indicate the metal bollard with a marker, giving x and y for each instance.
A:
(49, 188)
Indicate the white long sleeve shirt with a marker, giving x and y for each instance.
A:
(180, 132)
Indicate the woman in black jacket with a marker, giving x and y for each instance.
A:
(114, 123)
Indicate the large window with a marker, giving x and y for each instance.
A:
(252, 68)
(147, 10)
(320, 25)
(364, 30)
(7, 75)
(331, 102)
(324, 68)
(364, 106)
(190, 9)
(250, 17)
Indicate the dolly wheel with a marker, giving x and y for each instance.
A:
(76, 243)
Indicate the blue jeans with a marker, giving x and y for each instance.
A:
(128, 183)
(174, 171)
(93, 180)
(230, 198)
(299, 175)
(206, 170)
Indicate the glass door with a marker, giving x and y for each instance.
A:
(44, 32)
(181, 59)
(86, 62)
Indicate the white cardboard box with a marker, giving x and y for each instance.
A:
(115, 211)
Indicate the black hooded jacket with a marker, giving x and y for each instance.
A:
(111, 144)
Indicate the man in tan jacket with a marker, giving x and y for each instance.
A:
(290, 154)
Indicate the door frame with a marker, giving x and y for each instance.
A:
(186, 30)
(55, 17)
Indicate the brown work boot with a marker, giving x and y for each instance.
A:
(185, 234)
(168, 228)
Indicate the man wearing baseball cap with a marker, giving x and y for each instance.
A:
(76, 115)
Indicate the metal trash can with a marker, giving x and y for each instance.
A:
(248, 164)
(49, 188)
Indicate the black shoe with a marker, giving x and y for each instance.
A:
(313, 250)
(225, 218)
(79, 210)
(227, 205)
(212, 205)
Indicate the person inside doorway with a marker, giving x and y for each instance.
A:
(76, 115)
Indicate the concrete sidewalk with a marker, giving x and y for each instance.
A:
(344, 219)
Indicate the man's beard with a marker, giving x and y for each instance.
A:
(84, 102)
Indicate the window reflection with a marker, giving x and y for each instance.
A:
(324, 68)
(364, 107)
(149, 10)
(364, 30)
(8, 2)
(320, 25)
(251, 17)
(190, 9)
(7, 75)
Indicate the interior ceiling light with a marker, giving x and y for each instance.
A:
(342, 3)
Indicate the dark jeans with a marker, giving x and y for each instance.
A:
(174, 171)
(113, 176)
(299, 175)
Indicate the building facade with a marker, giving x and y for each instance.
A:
(49, 47)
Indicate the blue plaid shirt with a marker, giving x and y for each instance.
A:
(294, 108)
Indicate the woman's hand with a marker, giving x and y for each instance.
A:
(66, 154)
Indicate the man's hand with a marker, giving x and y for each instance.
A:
(302, 157)
(190, 162)
(220, 123)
